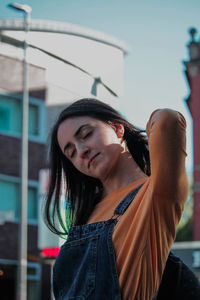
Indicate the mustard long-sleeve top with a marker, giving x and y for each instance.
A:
(144, 234)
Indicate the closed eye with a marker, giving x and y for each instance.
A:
(72, 154)
(87, 135)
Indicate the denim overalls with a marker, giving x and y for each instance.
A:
(86, 267)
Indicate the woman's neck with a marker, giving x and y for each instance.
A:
(126, 172)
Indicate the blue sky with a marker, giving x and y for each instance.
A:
(156, 32)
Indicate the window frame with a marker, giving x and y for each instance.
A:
(31, 184)
(35, 265)
(41, 137)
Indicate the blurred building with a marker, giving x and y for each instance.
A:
(66, 62)
(193, 103)
(190, 251)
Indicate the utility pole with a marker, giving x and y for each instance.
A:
(22, 262)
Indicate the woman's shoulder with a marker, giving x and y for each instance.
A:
(104, 210)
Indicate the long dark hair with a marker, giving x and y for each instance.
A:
(83, 192)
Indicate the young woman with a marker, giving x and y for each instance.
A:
(125, 194)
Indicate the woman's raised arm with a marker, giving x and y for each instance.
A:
(167, 145)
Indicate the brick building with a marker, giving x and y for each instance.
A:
(190, 251)
(193, 103)
(10, 149)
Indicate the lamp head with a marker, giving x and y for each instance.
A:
(21, 7)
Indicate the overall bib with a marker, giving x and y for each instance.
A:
(86, 267)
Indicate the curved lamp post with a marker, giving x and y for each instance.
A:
(22, 267)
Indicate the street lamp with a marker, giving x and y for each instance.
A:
(22, 267)
(21, 7)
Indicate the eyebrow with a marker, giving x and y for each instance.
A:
(75, 135)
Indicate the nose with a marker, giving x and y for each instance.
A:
(83, 150)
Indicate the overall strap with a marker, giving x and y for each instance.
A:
(122, 207)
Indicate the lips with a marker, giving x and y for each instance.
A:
(92, 159)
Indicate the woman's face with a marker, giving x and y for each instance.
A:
(93, 147)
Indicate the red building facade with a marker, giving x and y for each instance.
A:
(193, 102)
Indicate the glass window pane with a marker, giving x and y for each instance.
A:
(4, 118)
(31, 271)
(33, 290)
(9, 198)
(32, 204)
(11, 116)
(33, 119)
(12, 111)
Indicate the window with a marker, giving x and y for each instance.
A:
(33, 120)
(9, 279)
(32, 203)
(11, 116)
(4, 118)
(11, 111)
(10, 200)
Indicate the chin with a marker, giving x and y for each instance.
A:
(102, 174)
(100, 171)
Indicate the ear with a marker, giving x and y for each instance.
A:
(119, 129)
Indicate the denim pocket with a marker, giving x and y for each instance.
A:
(74, 272)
